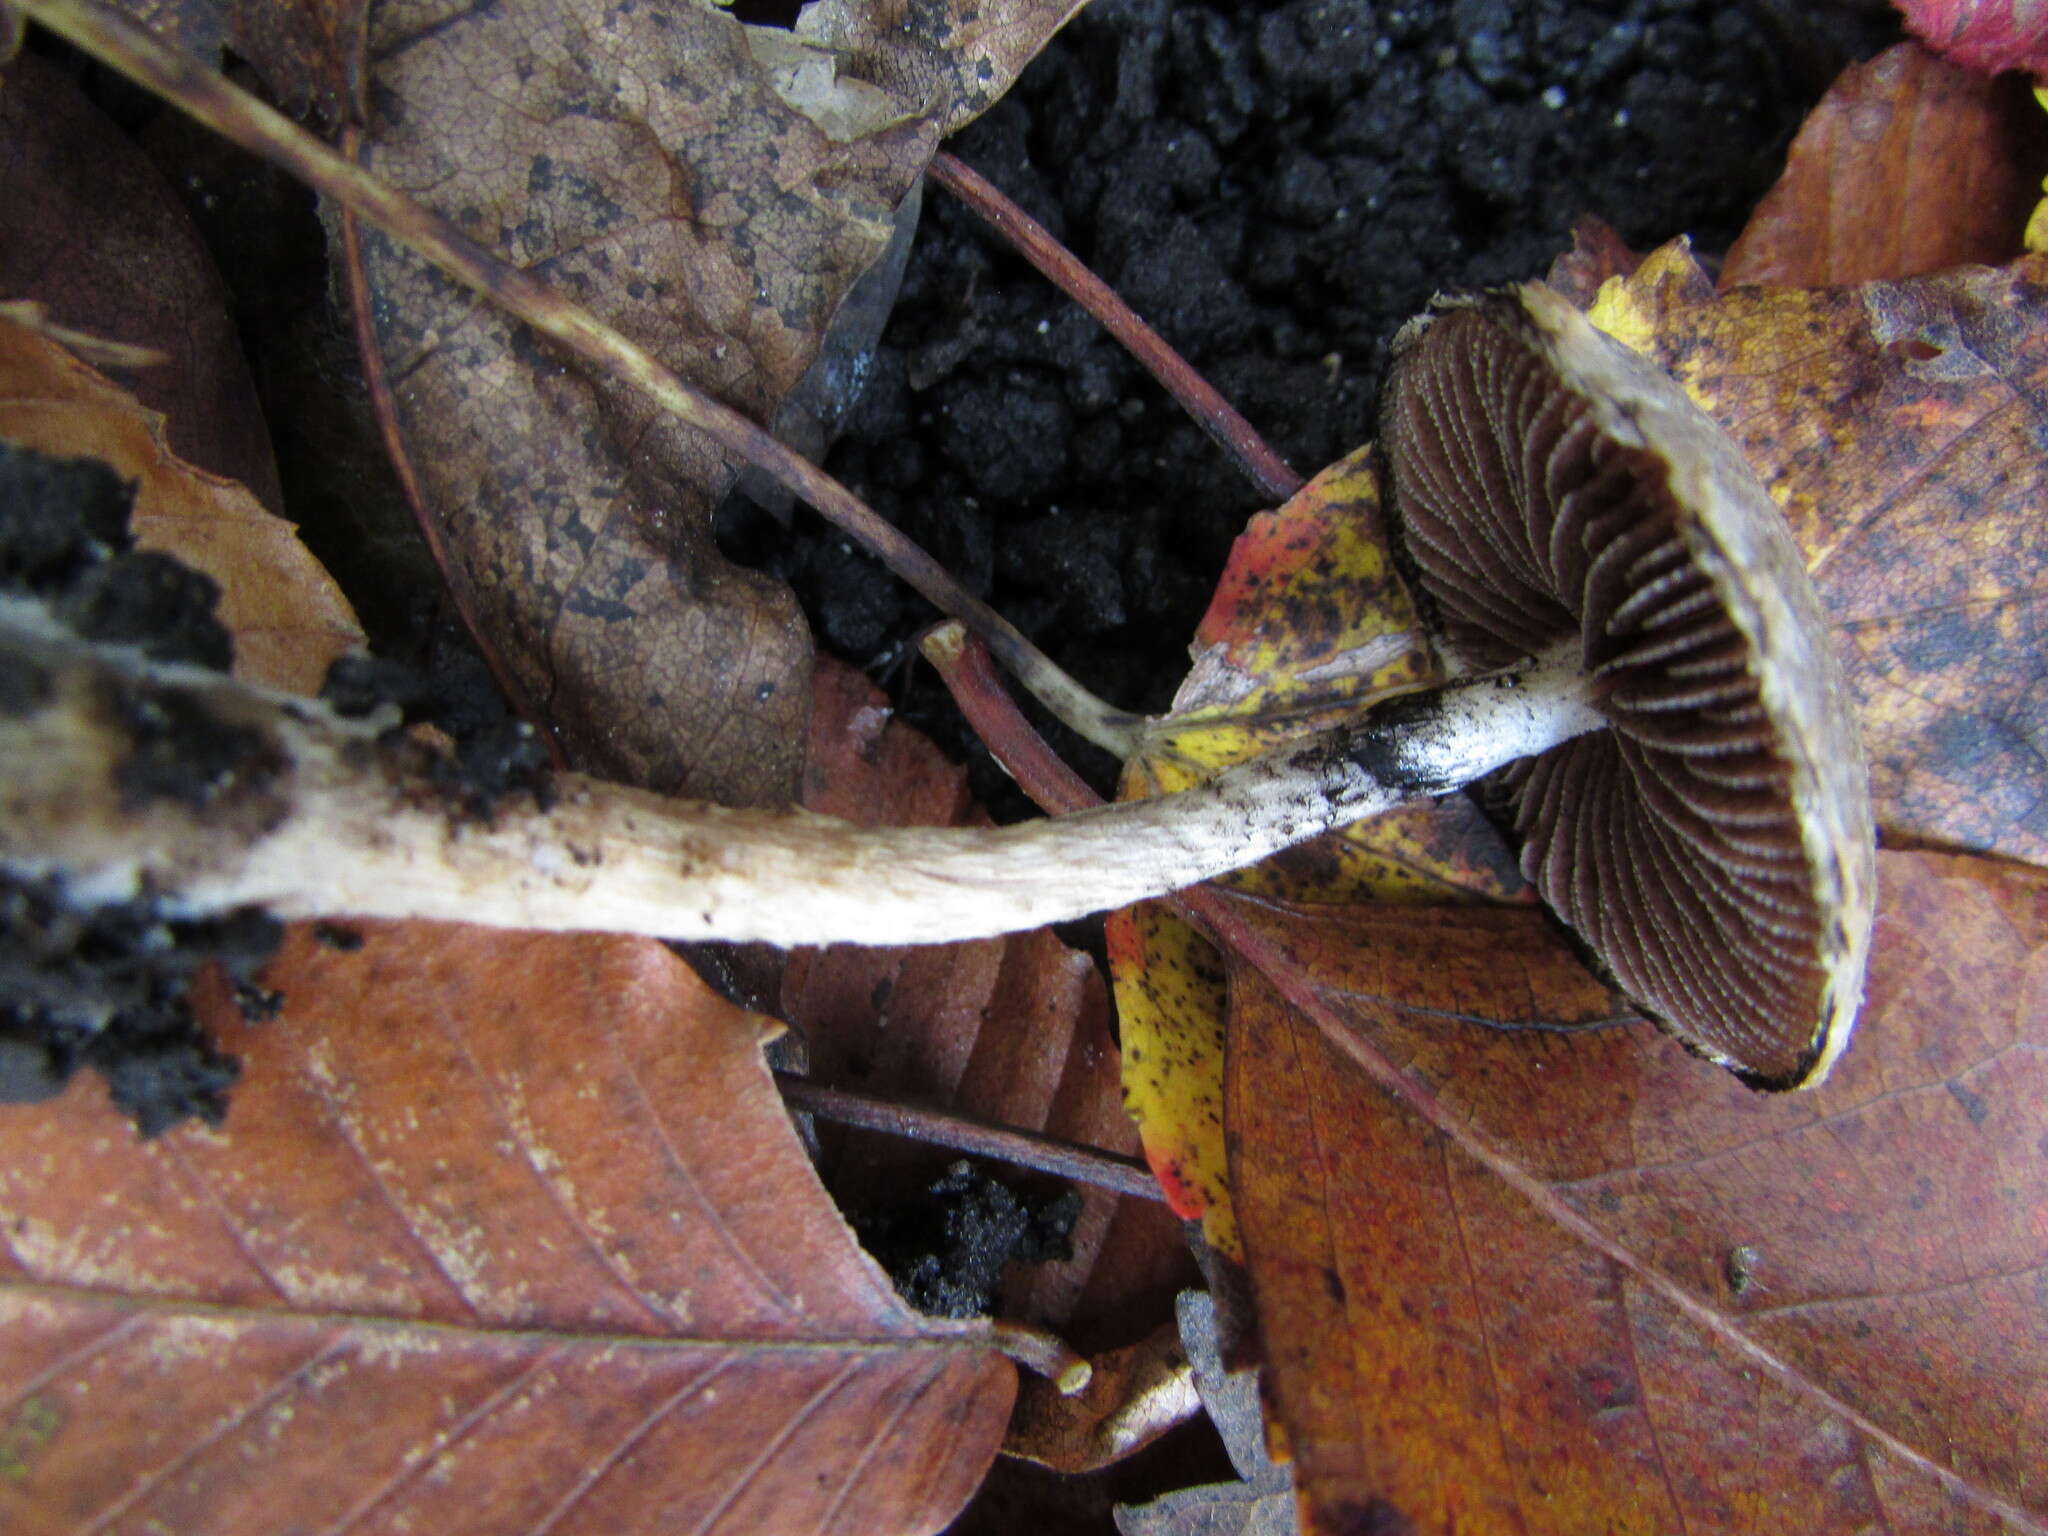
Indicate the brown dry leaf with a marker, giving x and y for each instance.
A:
(503, 1233)
(1909, 164)
(1134, 1395)
(310, 52)
(1901, 426)
(645, 163)
(1012, 1030)
(288, 618)
(1883, 1239)
(97, 237)
(946, 62)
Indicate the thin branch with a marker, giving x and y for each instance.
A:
(124, 45)
(1200, 399)
(981, 1138)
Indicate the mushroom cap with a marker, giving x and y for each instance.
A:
(1714, 846)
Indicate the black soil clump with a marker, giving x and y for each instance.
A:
(491, 753)
(1276, 187)
(106, 986)
(946, 1248)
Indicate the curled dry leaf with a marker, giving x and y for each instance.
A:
(1898, 425)
(96, 236)
(1910, 163)
(288, 618)
(1012, 1030)
(1879, 1241)
(947, 62)
(642, 161)
(1134, 1395)
(504, 1232)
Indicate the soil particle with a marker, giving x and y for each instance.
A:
(1275, 186)
(946, 1247)
(106, 987)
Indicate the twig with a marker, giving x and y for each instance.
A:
(982, 1138)
(1034, 242)
(1042, 1353)
(126, 46)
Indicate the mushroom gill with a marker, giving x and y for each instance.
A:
(1549, 491)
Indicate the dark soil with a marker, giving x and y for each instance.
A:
(106, 987)
(946, 1247)
(1275, 186)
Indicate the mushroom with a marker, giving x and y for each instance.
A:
(1713, 845)
(1624, 602)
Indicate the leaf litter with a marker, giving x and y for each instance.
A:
(2005, 902)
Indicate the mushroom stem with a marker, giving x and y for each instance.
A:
(127, 777)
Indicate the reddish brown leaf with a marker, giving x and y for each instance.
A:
(288, 618)
(503, 1233)
(95, 235)
(1911, 163)
(1585, 1282)
(1597, 254)
(1012, 1030)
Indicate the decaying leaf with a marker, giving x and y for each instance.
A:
(643, 162)
(309, 52)
(1134, 1395)
(1900, 426)
(1879, 1240)
(1262, 1502)
(1012, 1030)
(1910, 163)
(502, 1232)
(947, 62)
(287, 616)
(1308, 622)
(96, 236)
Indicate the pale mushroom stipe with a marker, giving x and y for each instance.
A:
(1670, 672)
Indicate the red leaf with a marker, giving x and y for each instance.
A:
(1990, 35)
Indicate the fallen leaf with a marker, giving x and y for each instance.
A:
(1900, 426)
(641, 161)
(946, 62)
(503, 1232)
(1654, 1361)
(1597, 253)
(1910, 163)
(97, 237)
(1012, 1030)
(1134, 1395)
(288, 618)
(1261, 1502)
(1990, 35)
(1309, 622)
